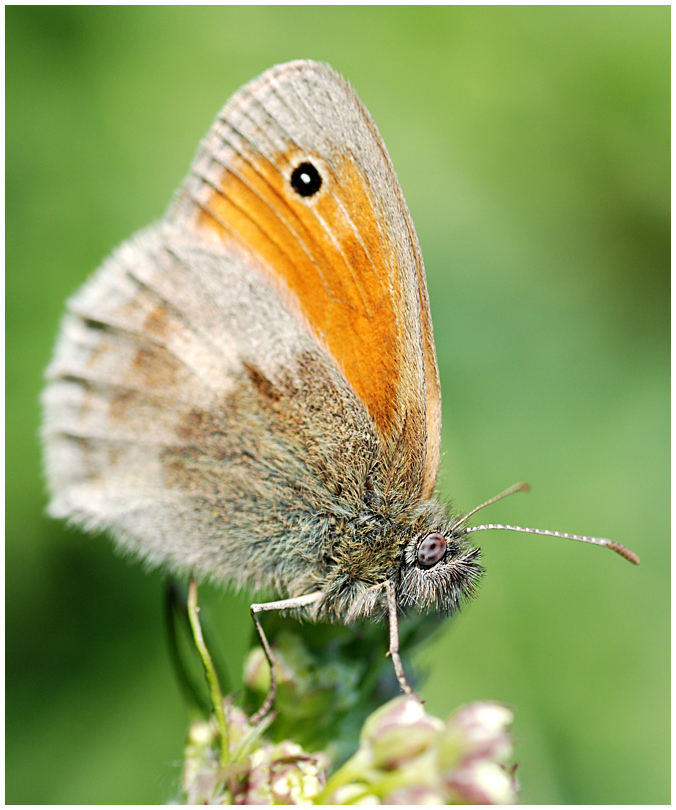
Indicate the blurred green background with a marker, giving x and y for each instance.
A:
(532, 144)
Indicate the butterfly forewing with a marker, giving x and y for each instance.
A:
(346, 258)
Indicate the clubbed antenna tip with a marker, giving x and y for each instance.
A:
(627, 553)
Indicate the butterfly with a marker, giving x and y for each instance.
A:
(247, 390)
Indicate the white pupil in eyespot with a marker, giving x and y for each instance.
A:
(306, 179)
(431, 550)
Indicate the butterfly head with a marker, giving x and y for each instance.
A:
(422, 552)
(439, 570)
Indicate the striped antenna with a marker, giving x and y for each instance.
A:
(523, 487)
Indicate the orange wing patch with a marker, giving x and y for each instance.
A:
(336, 259)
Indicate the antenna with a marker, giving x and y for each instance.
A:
(599, 541)
(523, 487)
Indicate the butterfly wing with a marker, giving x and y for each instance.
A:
(255, 358)
(191, 412)
(348, 255)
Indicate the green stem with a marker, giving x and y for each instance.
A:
(210, 672)
(354, 770)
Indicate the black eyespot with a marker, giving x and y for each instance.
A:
(306, 180)
(431, 550)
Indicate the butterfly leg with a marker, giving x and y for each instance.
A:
(281, 604)
(394, 637)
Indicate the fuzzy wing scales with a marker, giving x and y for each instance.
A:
(190, 412)
(349, 254)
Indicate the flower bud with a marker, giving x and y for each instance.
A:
(399, 731)
(283, 774)
(482, 782)
(476, 731)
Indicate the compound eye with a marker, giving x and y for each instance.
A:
(431, 550)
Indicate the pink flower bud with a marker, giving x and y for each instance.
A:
(399, 731)
(477, 731)
(482, 782)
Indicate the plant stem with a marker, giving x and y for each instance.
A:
(210, 672)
